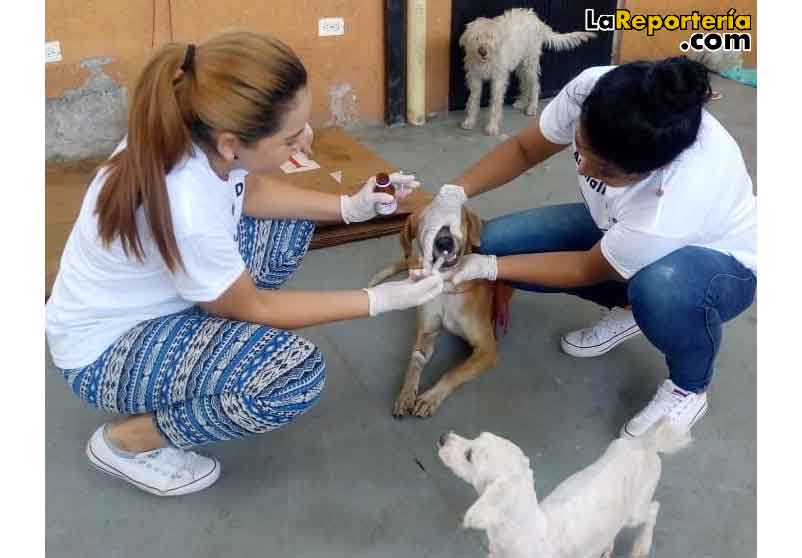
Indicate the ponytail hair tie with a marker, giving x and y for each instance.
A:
(188, 58)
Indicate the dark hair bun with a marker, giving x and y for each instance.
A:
(676, 86)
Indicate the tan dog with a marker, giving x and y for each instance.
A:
(466, 311)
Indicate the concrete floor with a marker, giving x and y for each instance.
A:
(347, 480)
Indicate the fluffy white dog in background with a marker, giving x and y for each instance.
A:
(582, 516)
(510, 42)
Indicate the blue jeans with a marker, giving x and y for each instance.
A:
(680, 301)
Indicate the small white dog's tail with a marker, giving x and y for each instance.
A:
(567, 41)
(666, 437)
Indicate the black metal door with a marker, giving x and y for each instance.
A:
(557, 68)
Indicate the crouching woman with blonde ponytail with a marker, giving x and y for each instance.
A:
(166, 307)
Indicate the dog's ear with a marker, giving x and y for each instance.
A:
(465, 34)
(408, 233)
(474, 229)
(488, 510)
(478, 21)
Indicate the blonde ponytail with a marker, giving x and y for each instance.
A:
(238, 82)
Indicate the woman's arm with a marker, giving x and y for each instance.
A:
(562, 270)
(565, 270)
(267, 197)
(286, 309)
(521, 152)
(270, 198)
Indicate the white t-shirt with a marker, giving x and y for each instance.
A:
(702, 198)
(100, 293)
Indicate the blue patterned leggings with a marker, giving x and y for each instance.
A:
(208, 379)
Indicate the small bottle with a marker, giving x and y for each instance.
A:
(385, 186)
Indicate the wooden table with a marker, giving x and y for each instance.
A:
(334, 149)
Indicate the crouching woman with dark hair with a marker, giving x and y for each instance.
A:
(664, 238)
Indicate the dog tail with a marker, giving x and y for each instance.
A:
(567, 41)
(666, 437)
(387, 272)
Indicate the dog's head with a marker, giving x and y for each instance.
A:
(495, 467)
(483, 460)
(480, 40)
(451, 247)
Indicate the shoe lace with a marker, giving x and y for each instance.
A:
(679, 409)
(602, 328)
(665, 402)
(175, 462)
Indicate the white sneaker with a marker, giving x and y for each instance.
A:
(163, 472)
(683, 408)
(616, 326)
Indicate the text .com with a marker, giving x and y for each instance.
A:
(728, 32)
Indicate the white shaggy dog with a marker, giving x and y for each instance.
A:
(582, 516)
(510, 42)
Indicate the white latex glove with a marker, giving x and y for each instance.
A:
(444, 211)
(362, 205)
(399, 295)
(474, 266)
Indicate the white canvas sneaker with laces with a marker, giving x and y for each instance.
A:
(683, 408)
(163, 472)
(615, 326)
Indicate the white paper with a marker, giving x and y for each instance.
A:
(299, 163)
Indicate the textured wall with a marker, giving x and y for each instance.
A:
(438, 45)
(105, 43)
(85, 99)
(86, 120)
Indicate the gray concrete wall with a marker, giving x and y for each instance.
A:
(87, 121)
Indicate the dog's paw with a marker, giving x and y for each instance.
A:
(405, 402)
(428, 403)
(638, 551)
(531, 110)
(520, 104)
(492, 129)
(468, 124)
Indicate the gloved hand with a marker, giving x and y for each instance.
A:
(444, 211)
(362, 205)
(474, 266)
(399, 295)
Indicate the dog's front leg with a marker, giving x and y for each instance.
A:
(484, 357)
(498, 87)
(421, 353)
(475, 97)
(643, 543)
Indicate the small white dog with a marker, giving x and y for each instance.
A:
(510, 42)
(582, 516)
